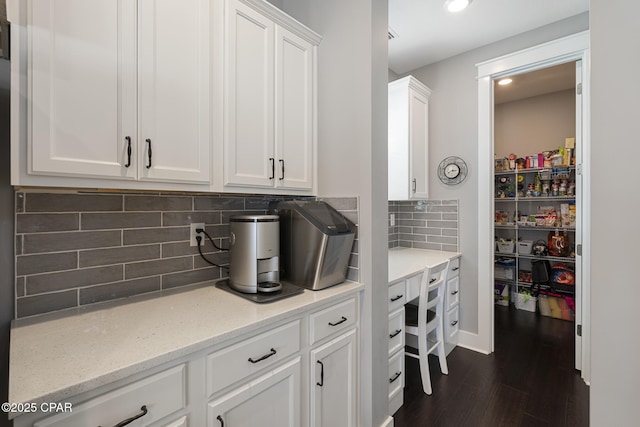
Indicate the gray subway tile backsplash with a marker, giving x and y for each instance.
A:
(75, 248)
(54, 242)
(425, 224)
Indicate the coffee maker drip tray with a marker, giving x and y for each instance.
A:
(287, 290)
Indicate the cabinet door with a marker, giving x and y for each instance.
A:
(249, 157)
(174, 125)
(419, 145)
(333, 382)
(82, 87)
(294, 93)
(271, 400)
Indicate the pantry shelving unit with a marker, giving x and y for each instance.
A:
(515, 200)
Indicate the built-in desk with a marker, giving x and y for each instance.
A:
(406, 266)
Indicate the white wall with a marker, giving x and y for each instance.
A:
(454, 131)
(615, 287)
(535, 124)
(352, 159)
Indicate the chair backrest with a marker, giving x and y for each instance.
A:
(432, 290)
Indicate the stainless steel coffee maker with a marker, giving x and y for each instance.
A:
(255, 252)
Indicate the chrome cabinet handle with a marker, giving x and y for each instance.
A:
(272, 352)
(149, 152)
(128, 139)
(342, 320)
(321, 383)
(395, 377)
(395, 333)
(396, 298)
(415, 185)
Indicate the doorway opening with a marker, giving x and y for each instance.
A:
(538, 200)
(569, 49)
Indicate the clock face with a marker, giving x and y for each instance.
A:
(452, 170)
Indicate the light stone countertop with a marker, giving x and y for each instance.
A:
(53, 360)
(407, 262)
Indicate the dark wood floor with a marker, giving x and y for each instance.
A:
(528, 381)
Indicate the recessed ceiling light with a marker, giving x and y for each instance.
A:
(504, 82)
(456, 5)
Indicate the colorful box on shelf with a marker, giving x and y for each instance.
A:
(501, 294)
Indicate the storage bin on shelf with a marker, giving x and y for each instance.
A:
(524, 247)
(505, 246)
(525, 301)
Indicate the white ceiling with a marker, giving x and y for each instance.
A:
(428, 33)
(536, 83)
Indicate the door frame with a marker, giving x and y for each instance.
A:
(567, 49)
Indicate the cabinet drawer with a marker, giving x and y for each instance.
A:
(452, 325)
(250, 356)
(397, 296)
(453, 293)
(396, 374)
(162, 394)
(333, 319)
(396, 330)
(454, 268)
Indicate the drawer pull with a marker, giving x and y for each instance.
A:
(342, 320)
(395, 377)
(149, 153)
(454, 323)
(395, 334)
(455, 269)
(135, 417)
(396, 298)
(321, 383)
(219, 418)
(454, 293)
(266, 356)
(128, 139)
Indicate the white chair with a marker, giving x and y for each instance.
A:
(425, 321)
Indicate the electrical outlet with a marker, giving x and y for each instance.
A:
(193, 234)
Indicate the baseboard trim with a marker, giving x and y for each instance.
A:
(388, 422)
(470, 342)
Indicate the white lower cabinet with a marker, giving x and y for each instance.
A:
(292, 373)
(272, 399)
(333, 382)
(149, 399)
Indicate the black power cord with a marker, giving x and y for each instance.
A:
(199, 240)
(202, 230)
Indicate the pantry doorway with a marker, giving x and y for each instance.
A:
(572, 49)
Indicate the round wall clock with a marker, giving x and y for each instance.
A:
(452, 170)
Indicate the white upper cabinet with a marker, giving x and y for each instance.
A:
(82, 92)
(173, 87)
(269, 98)
(115, 90)
(408, 139)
